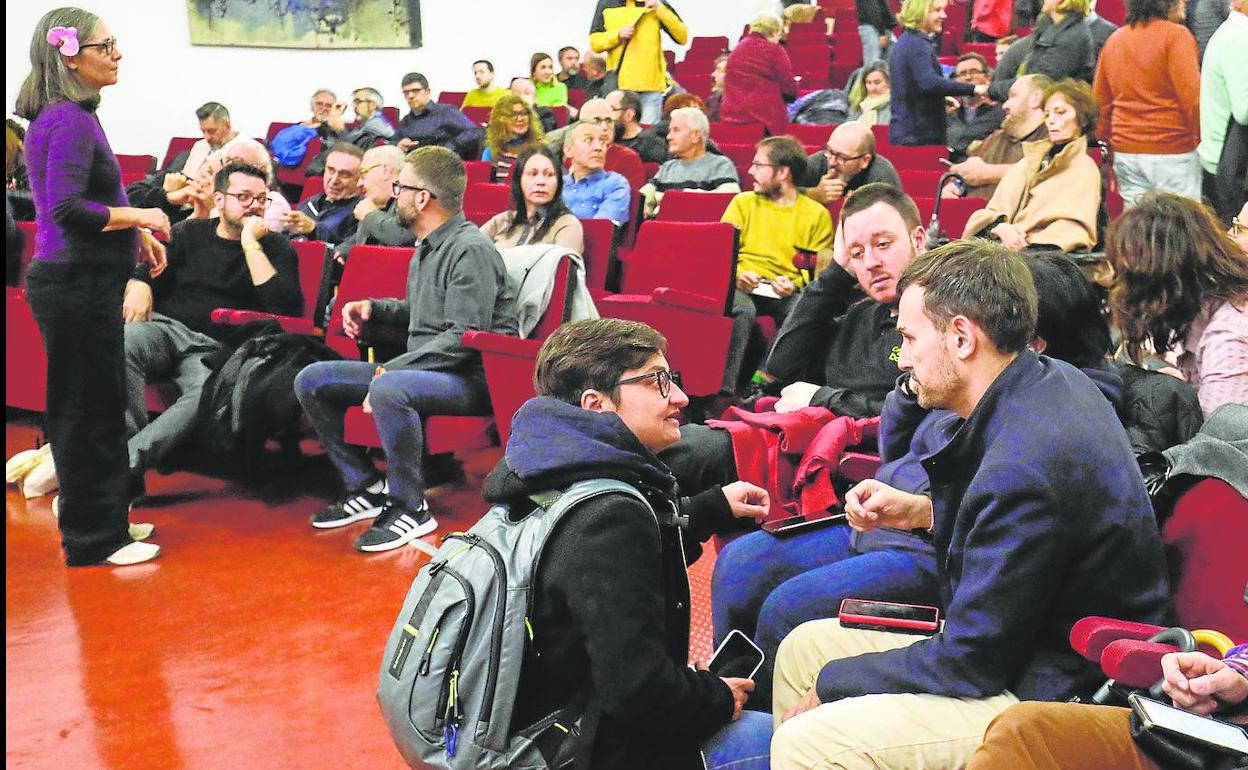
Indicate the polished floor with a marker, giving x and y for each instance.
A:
(253, 642)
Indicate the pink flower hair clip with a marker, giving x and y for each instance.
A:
(65, 39)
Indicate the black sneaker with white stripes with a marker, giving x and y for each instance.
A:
(350, 509)
(395, 527)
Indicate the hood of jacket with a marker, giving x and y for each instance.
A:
(554, 444)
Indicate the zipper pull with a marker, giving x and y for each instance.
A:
(451, 734)
(424, 659)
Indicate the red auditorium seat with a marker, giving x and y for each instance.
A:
(598, 254)
(881, 136)
(811, 135)
(954, 213)
(679, 279)
(478, 115)
(453, 98)
(137, 164)
(807, 33)
(296, 176)
(312, 187)
(25, 363)
(392, 114)
(925, 157)
(178, 144)
(482, 201)
(478, 171)
(737, 134)
(693, 206)
(986, 50)
(698, 85)
(311, 264)
(576, 97)
(739, 154)
(709, 44)
(561, 116)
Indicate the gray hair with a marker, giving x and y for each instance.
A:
(251, 152)
(214, 110)
(695, 118)
(569, 133)
(442, 173)
(50, 79)
(373, 94)
(386, 155)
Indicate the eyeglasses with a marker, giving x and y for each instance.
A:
(412, 91)
(663, 378)
(756, 164)
(398, 187)
(246, 199)
(967, 74)
(518, 116)
(106, 47)
(1237, 226)
(840, 156)
(363, 101)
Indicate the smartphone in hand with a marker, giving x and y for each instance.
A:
(737, 656)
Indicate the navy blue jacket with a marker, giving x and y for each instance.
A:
(1041, 518)
(443, 125)
(919, 91)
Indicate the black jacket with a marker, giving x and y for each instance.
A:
(611, 603)
(1159, 411)
(1061, 50)
(877, 14)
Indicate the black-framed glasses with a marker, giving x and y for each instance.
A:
(840, 156)
(756, 164)
(246, 199)
(968, 74)
(663, 378)
(106, 47)
(398, 187)
(517, 116)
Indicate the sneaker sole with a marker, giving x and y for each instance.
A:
(370, 513)
(420, 530)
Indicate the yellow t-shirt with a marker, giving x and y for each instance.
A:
(479, 98)
(771, 234)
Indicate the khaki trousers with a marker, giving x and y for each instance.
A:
(1060, 736)
(905, 732)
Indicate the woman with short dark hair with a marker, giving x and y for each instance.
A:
(88, 237)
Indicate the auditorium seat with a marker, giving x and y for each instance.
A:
(811, 135)
(312, 187)
(484, 200)
(693, 206)
(598, 254)
(311, 255)
(453, 98)
(478, 171)
(736, 133)
(177, 145)
(137, 164)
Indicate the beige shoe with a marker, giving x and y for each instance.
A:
(134, 553)
(139, 531)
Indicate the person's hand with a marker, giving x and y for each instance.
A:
(1011, 236)
(809, 701)
(627, 32)
(355, 315)
(137, 303)
(840, 254)
(832, 188)
(366, 406)
(748, 281)
(155, 220)
(974, 170)
(741, 688)
(364, 208)
(747, 501)
(406, 144)
(950, 190)
(180, 196)
(981, 89)
(783, 285)
(254, 228)
(152, 252)
(872, 504)
(174, 181)
(951, 105)
(796, 396)
(298, 222)
(1200, 683)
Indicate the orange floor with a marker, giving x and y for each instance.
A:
(253, 642)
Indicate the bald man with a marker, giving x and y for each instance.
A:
(845, 164)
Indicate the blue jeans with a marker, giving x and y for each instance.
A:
(399, 398)
(766, 586)
(870, 37)
(741, 745)
(1139, 173)
(651, 107)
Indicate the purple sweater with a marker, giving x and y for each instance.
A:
(75, 179)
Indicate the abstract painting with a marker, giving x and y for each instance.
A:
(306, 23)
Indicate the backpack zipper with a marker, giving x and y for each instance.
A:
(500, 610)
(457, 652)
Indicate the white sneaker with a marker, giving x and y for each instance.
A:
(134, 553)
(140, 531)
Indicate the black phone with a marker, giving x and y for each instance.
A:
(1213, 733)
(890, 616)
(736, 656)
(796, 524)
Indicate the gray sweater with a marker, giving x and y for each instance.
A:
(456, 282)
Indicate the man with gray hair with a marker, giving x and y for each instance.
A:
(371, 121)
(456, 283)
(214, 124)
(691, 168)
(589, 190)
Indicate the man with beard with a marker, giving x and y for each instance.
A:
(776, 222)
(570, 69)
(328, 216)
(231, 261)
(988, 160)
(456, 283)
(845, 164)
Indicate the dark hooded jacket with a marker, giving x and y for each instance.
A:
(611, 595)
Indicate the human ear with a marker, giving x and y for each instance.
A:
(962, 335)
(596, 401)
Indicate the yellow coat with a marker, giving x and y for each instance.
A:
(644, 67)
(1056, 206)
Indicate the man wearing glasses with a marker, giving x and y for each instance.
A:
(230, 261)
(971, 118)
(456, 282)
(431, 124)
(845, 164)
(373, 124)
(328, 216)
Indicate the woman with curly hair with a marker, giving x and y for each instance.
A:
(513, 128)
(1182, 284)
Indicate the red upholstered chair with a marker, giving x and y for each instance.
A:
(810, 134)
(178, 144)
(925, 157)
(986, 50)
(312, 187)
(296, 176)
(478, 171)
(576, 97)
(679, 279)
(311, 264)
(392, 114)
(955, 213)
(807, 33)
(737, 134)
(740, 154)
(484, 200)
(25, 363)
(599, 253)
(698, 85)
(453, 98)
(692, 206)
(560, 113)
(1112, 10)
(669, 57)
(711, 45)
(881, 137)
(478, 115)
(137, 164)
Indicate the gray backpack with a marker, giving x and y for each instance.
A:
(452, 664)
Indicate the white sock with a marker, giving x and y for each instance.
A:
(379, 487)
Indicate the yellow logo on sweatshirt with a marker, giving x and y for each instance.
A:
(895, 356)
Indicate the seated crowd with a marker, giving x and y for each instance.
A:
(989, 362)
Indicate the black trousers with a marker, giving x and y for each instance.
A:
(1221, 196)
(78, 310)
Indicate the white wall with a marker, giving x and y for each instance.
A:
(164, 78)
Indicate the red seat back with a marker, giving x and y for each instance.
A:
(312, 187)
(485, 199)
(698, 85)
(811, 135)
(598, 253)
(178, 144)
(695, 257)
(925, 157)
(478, 115)
(739, 154)
(137, 164)
(692, 206)
(373, 272)
(1199, 536)
(737, 133)
(478, 171)
(453, 98)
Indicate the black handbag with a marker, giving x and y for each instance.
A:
(1174, 752)
(1231, 184)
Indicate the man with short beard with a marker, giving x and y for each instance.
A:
(989, 159)
(570, 68)
(776, 222)
(847, 162)
(232, 261)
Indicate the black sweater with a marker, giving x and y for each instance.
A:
(207, 271)
(836, 338)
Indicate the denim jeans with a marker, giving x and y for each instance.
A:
(766, 586)
(741, 745)
(870, 44)
(651, 107)
(1138, 174)
(399, 399)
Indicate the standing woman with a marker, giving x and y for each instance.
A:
(759, 78)
(86, 242)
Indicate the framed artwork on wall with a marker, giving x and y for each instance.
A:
(306, 23)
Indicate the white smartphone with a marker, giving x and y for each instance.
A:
(736, 656)
(1210, 732)
(764, 289)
